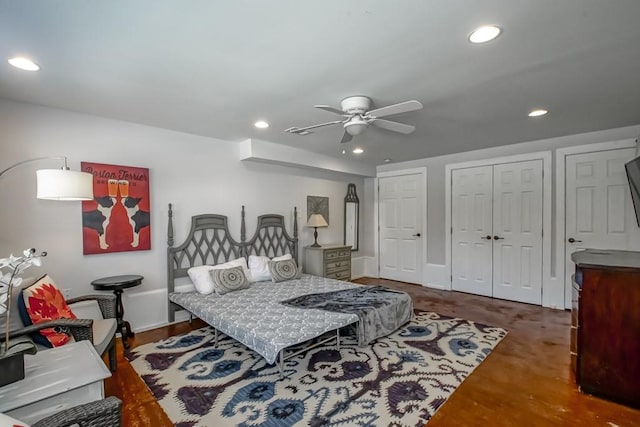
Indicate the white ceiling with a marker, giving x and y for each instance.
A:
(214, 67)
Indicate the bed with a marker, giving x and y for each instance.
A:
(257, 316)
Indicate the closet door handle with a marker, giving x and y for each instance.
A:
(572, 240)
(416, 235)
(487, 237)
(498, 238)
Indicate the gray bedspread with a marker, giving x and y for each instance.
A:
(380, 310)
(256, 318)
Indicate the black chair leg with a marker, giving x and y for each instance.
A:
(113, 359)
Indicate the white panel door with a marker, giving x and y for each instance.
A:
(401, 201)
(517, 231)
(471, 223)
(599, 209)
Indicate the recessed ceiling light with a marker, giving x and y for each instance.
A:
(24, 63)
(344, 151)
(538, 113)
(358, 150)
(261, 124)
(484, 34)
(387, 160)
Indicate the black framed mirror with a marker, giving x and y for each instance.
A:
(351, 217)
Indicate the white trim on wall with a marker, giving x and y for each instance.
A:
(357, 267)
(411, 171)
(146, 319)
(561, 159)
(552, 295)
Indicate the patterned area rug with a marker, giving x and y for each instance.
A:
(399, 380)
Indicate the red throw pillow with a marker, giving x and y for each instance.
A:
(44, 302)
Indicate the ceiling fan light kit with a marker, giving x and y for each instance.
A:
(355, 126)
(357, 117)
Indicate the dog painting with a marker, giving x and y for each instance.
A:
(118, 219)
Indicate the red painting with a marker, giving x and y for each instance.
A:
(117, 219)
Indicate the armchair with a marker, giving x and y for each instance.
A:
(96, 321)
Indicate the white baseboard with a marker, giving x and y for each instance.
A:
(436, 276)
(371, 266)
(554, 293)
(357, 267)
(145, 319)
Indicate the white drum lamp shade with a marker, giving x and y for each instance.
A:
(64, 184)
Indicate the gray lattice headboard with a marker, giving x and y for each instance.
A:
(209, 242)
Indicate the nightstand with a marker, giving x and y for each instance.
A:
(331, 261)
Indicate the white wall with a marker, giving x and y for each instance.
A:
(436, 228)
(436, 175)
(195, 173)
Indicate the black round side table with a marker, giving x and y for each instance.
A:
(118, 284)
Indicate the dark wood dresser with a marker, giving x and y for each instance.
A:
(605, 324)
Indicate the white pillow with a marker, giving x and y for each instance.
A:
(259, 266)
(202, 279)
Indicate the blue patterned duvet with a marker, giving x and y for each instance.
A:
(256, 318)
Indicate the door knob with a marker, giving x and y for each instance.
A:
(416, 235)
(572, 240)
(487, 237)
(498, 238)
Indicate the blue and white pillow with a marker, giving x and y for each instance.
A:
(284, 270)
(227, 280)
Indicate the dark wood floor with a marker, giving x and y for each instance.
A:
(524, 382)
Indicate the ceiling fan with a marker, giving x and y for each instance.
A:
(357, 117)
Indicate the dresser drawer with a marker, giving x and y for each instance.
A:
(337, 253)
(343, 264)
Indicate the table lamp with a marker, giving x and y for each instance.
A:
(315, 221)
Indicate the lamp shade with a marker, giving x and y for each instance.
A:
(355, 127)
(317, 220)
(62, 184)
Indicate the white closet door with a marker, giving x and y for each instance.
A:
(517, 230)
(401, 199)
(471, 222)
(599, 209)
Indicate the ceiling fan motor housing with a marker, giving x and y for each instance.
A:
(356, 104)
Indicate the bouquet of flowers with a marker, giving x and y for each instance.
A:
(15, 266)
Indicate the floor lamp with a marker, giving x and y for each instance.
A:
(59, 184)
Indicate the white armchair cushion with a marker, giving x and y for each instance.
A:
(103, 331)
(86, 310)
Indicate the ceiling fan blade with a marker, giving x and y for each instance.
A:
(331, 110)
(305, 129)
(393, 126)
(346, 137)
(389, 110)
